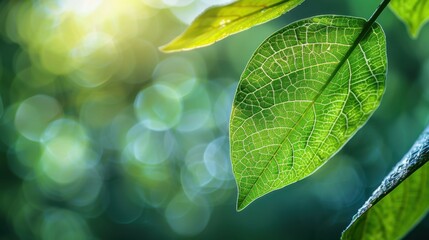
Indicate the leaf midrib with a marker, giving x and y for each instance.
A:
(355, 43)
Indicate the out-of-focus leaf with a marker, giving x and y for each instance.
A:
(399, 202)
(306, 90)
(413, 12)
(219, 22)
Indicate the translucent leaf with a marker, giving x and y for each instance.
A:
(399, 202)
(413, 12)
(219, 22)
(306, 90)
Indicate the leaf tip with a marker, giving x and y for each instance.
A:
(175, 46)
(167, 48)
(240, 206)
(414, 32)
(243, 201)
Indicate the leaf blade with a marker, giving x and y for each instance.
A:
(402, 199)
(219, 22)
(414, 13)
(267, 146)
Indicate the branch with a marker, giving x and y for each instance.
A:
(413, 160)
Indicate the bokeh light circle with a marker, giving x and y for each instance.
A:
(158, 107)
(66, 152)
(89, 190)
(63, 224)
(98, 53)
(196, 110)
(148, 146)
(216, 159)
(41, 109)
(195, 177)
(187, 217)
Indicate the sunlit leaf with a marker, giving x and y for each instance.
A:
(306, 90)
(399, 202)
(219, 22)
(413, 12)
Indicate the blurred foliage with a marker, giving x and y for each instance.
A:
(103, 136)
(414, 13)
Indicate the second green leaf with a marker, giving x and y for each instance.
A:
(219, 22)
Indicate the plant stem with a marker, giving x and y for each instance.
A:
(377, 12)
(360, 37)
(416, 157)
(372, 19)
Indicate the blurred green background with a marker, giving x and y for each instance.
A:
(102, 136)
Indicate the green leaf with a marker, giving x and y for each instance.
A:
(413, 12)
(399, 202)
(306, 90)
(219, 22)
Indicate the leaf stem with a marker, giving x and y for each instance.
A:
(361, 36)
(374, 16)
(367, 27)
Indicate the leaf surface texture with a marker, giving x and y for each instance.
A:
(300, 98)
